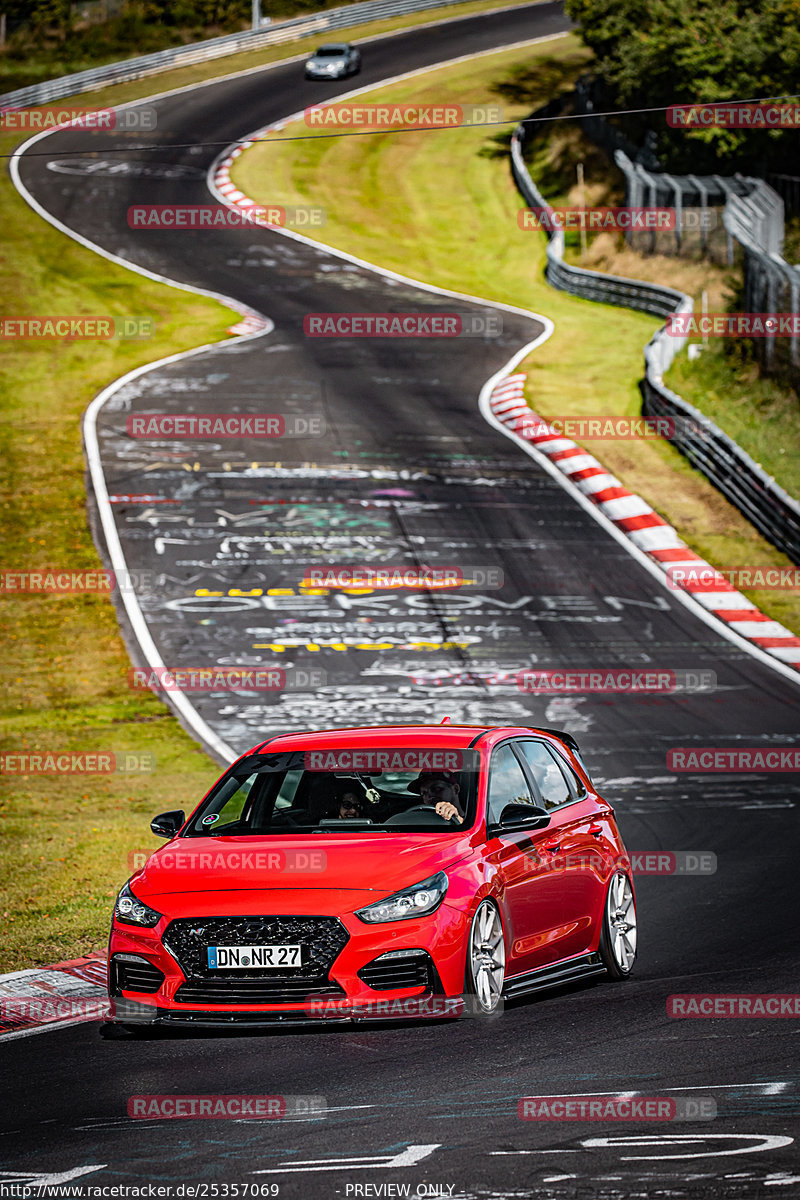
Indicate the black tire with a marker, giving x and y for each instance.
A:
(615, 944)
(472, 987)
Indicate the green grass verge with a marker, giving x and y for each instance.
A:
(761, 414)
(441, 206)
(64, 840)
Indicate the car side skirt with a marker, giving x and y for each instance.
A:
(571, 969)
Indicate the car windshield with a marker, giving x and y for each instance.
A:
(335, 791)
(330, 52)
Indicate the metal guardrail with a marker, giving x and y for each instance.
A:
(772, 510)
(770, 283)
(753, 218)
(593, 285)
(788, 188)
(232, 43)
(766, 505)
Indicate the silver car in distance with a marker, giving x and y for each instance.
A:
(334, 61)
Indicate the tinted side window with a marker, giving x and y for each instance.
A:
(547, 773)
(507, 784)
(573, 778)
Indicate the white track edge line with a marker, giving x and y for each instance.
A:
(177, 700)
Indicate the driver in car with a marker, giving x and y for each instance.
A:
(439, 790)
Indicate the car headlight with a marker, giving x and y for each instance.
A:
(415, 901)
(131, 911)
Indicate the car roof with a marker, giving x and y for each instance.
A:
(422, 736)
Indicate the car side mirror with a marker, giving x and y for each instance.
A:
(167, 824)
(522, 816)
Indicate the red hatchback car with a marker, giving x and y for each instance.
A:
(358, 872)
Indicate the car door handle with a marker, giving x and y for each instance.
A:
(596, 830)
(551, 847)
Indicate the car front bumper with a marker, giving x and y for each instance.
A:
(156, 976)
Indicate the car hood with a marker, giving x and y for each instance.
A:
(342, 863)
(327, 61)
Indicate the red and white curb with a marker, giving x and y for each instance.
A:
(232, 196)
(66, 993)
(634, 517)
(250, 323)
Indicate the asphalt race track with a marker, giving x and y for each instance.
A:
(408, 471)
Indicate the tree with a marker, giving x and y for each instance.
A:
(656, 53)
(38, 15)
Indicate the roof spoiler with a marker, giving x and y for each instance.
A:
(566, 738)
(569, 740)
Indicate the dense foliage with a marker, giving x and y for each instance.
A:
(47, 38)
(653, 53)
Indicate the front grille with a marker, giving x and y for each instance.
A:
(255, 991)
(137, 975)
(385, 974)
(322, 939)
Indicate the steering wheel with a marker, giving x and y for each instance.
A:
(427, 809)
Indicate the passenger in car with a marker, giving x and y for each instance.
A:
(349, 803)
(350, 806)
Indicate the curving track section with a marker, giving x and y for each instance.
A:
(408, 470)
